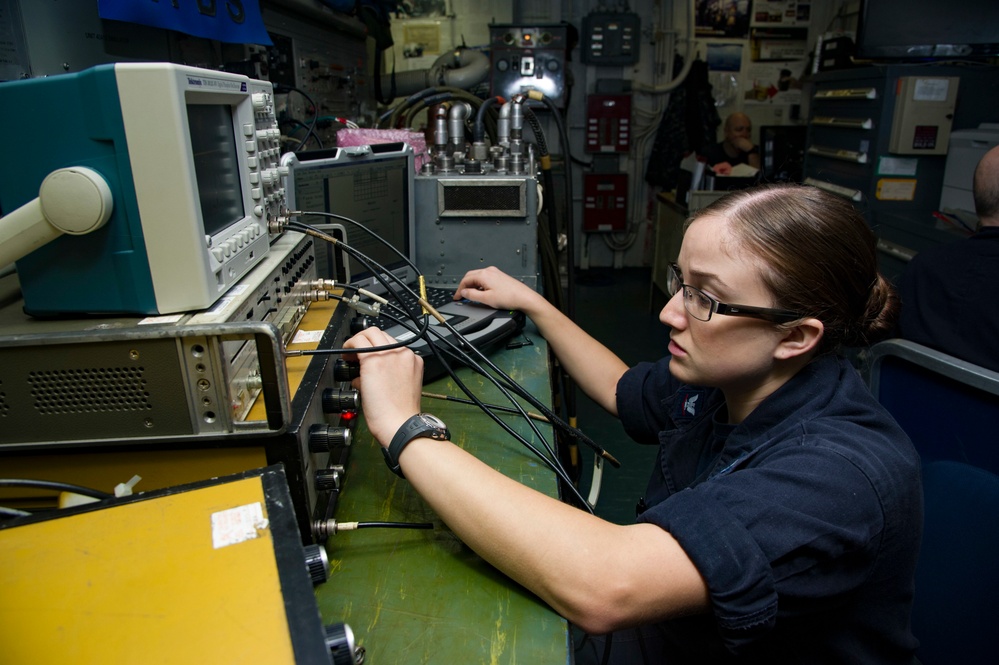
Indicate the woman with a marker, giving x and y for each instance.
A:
(782, 520)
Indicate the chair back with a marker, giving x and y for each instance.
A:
(950, 410)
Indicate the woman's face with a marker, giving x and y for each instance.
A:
(733, 353)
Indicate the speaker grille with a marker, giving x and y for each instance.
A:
(96, 390)
(505, 198)
(4, 407)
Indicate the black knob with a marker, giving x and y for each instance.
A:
(317, 563)
(323, 438)
(340, 642)
(338, 400)
(328, 480)
(345, 371)
(359, 323)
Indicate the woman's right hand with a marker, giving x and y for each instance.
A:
(493, 287)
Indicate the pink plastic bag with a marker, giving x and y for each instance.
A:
(364, 136)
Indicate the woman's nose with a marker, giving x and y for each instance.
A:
(673, 314)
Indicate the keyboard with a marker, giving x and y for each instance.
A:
(437, 297)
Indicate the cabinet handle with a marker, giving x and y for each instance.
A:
(848, 93)
(833, 153)
(899, 252)
(839, 190)
(847, 123)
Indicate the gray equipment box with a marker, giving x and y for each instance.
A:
(465, 222)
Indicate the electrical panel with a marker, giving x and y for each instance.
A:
(529, 58)
(611, 38)
(605, 202)
(924, 113)
(608, 123)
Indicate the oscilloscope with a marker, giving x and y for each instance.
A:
(190, 164)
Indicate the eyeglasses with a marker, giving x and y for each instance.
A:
(701, 306)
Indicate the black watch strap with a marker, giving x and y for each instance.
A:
(420, 425)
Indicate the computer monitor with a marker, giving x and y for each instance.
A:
(920, 29)
(782, 153)
(192, 161)
(372, 185)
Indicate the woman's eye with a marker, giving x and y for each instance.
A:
(703, 301)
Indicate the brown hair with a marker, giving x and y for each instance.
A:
(820, 257)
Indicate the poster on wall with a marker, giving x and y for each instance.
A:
(778, 43)
(724, 57)
(722, 18)
(783, 13)
(774, 83)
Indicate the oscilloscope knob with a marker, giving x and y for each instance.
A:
(323, 438)
(328, 480)
(345, 371)
(340, 642)
(259, 100)
(338, 400)
(318, 563)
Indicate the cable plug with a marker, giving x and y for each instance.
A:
(370, 309)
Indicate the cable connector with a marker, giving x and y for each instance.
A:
(277, 225)
(322, 284)
(315, 295)
(369, 309)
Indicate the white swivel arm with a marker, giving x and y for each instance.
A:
(74, 200)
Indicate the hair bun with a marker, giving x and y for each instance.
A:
(879, 319)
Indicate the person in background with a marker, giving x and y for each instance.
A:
(948, 302)
(782, 519)
(736, 148)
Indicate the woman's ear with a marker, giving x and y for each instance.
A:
(803, 338)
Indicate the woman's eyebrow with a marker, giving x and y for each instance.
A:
(705, 277)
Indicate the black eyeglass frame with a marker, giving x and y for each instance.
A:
(717, 307)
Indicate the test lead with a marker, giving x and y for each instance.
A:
(324, 529)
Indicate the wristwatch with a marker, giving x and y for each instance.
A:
(422, 424)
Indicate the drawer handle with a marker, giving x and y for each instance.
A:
(847, 123)
(848, 93)
(833, 153)
(899, 252)
(838, 190)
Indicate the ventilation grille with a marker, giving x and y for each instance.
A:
(98, 390)
(489, 198)
(4, 407)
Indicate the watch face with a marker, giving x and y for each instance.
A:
(433, 421)
(440, 432)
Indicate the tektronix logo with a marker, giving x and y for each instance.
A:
(193, 81)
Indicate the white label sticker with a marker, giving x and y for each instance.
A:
(308, 336)
(169, 318)
(897, 166)
(931, 90)
(237, 525)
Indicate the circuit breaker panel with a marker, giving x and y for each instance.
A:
(605, 202)
(608, 123)
(611, 38)
(529, 58)
(924, 113)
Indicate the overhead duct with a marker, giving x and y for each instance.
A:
(459, 68)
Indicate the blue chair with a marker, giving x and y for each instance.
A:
(950, 410)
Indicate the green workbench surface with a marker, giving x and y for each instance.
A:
(422, 596)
